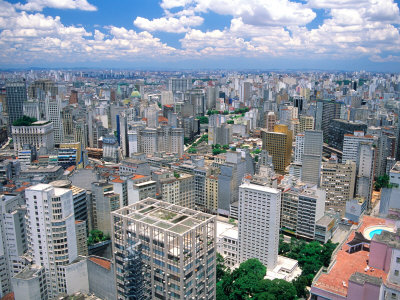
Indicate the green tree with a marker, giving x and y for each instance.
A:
(203, 120)
(230, 122)
(382, 182)
(300, 284)
(192, 150)
(24, 121)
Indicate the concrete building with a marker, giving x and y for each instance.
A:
(164, 251)
(259, 215)
(51, 233)
(140, 187)
(269, 121)
(31, 283)
(179, 190)
(325, 112)
(279, 146)
(39, 134)
(81, 237)
(312, 157)
(338, 128)
(306, 123)
(351, 145)
(311, 208)
(365, 172)
(338, 180)
(12, 239)
(104, 202)
(211, 193)
(299, 149)
(53, 114)
(16, 95)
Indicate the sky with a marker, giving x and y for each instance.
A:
(201, 34)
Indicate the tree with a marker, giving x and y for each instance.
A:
(176, 175)
(24, 121)
(226, 147)
(382, 182)
(300, 284)
(230, 122)
(192, 150)
(222, 270)
(203, 120)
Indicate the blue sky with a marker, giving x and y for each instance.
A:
(185, 34)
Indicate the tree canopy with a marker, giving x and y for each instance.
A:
(24, 121)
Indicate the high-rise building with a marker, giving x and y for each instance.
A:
(39, 134)
(15, 97)
(164, 251)
(312, 156)
(339, 128)
(338, 180)
(179, 190)
(54, 116)
(40, 88)
(179, 85)
(211, 193)
(104, 202)
(365, 171)
(299, 149)
(269, 121)
(306, 123)
(12, 239)
(279, 145)
(259, 215)
(351, 145)
(51, 233)
(325, 112)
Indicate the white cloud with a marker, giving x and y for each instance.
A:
(171, 24)
(38, 5)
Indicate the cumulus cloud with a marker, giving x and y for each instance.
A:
(38, 5)
(171, 24)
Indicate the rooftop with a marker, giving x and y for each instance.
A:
(164, 215)
(102, 262)
(337, 279)
(28, 272)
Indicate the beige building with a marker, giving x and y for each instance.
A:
(81, 237)
(306, 123)
(179, 191)
(338, 180)
(211, 193)
(38, 134)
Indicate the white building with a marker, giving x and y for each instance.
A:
(53, 114)
(39, 134)
(259, 216)
(351, 144)
(51, 232)
(299, 149)
(12, 239)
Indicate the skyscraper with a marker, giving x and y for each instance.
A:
(312, 156)
(51, 233)
(15, 97)
(164, 251)
(259, 216)
(279, 145)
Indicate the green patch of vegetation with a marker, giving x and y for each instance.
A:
(230, 122)
(256, 151)
(24, 121)
(240, 111)
(192, 150)
(213, 112)
(382, 182)
(311, 257)
(97, 236)
(247, 282)
(176, 175)
(218, 149)
(203, 120)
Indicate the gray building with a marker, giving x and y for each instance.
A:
(312, 156)
(16, 95)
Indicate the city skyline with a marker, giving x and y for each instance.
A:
(200, 34)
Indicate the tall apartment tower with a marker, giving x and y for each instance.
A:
(179, 191)
(326, 111)
(179, 84)
(259, 216)
(269, 121)
(299, 148)
(12, 239)
(279, 145)
(338, 180)
(306, 123)
(54, 115)
(51, 233)
(164, 251)
(312, 156)
(365, 171)
(15, 97)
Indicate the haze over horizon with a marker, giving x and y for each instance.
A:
(344, 35)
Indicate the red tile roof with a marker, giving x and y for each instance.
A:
(337, 280)
(137, 176)
(117, 180)
(101, 262)
(9, 296)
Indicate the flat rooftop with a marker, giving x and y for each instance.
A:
(28, 272)
(337, 280)
(164, 215)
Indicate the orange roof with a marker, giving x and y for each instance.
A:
(26, 183)
(78, 221)
(144, 119)
(347, 264)
(101, 262)
(117, 180)
(137, 176)
(10, 185)
(9, 296)
(162, 119)
(168, 105)
(21, 189)
(71, 168)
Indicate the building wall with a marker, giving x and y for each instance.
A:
(101, 281)
(76, 277)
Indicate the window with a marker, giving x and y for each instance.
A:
(396, 272)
